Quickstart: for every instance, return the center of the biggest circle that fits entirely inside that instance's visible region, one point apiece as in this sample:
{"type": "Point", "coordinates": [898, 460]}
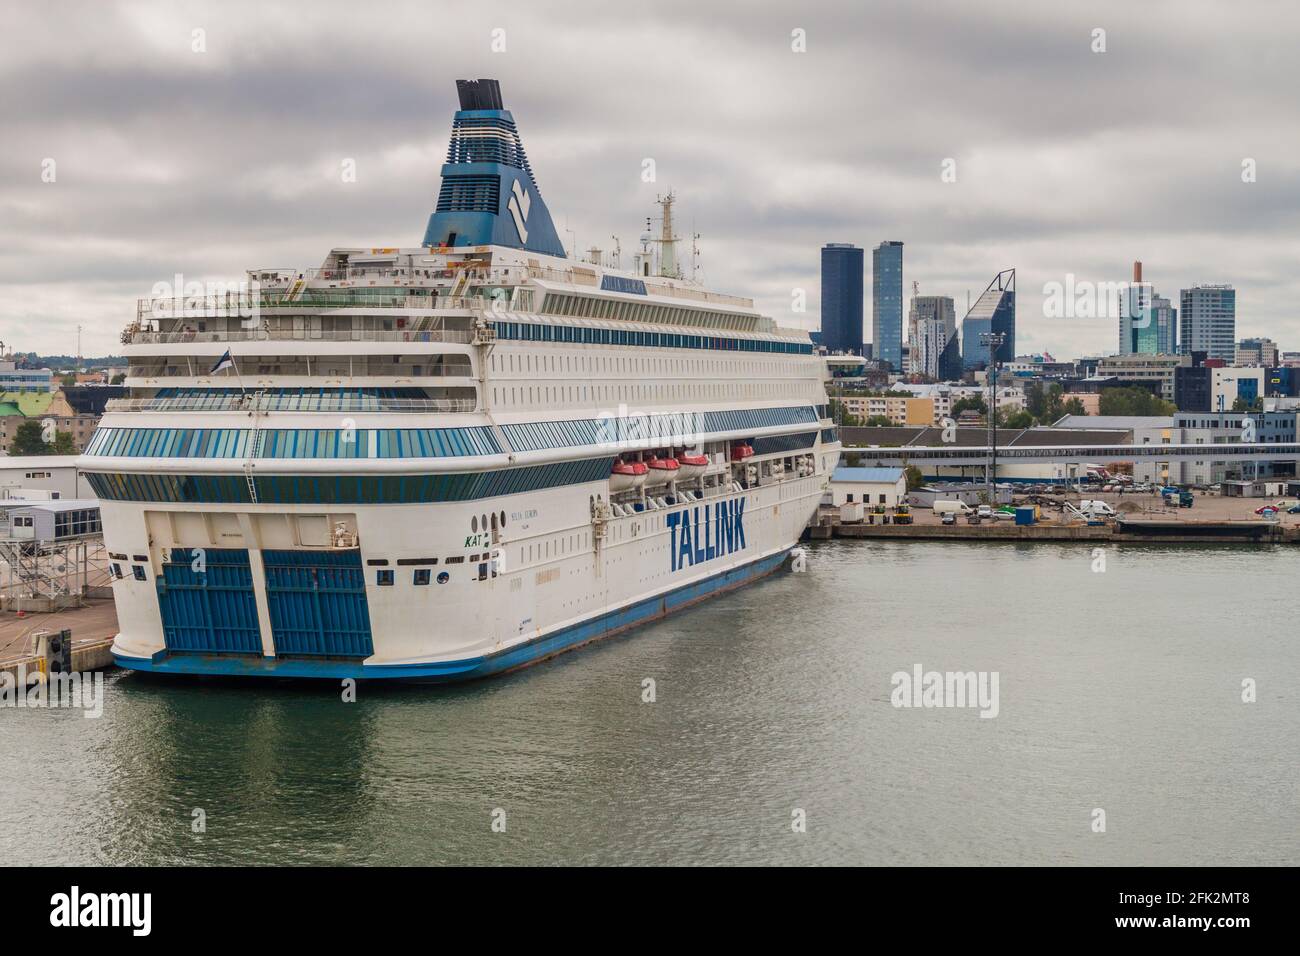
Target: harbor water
{"type": "Point", "coordinates": [771, 737]}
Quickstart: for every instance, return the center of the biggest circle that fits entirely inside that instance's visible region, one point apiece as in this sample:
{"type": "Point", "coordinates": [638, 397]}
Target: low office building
{"type": "Point", "coordinates": [898, 409]}
{"type": "Point", "coordinates": [1155, 372]}
{"type": "Point", "coordinates": [868, 486]}
{"type": "Point", "coordinates": [54, 476]}
{"type": "Point", "coordinates": [1257, 352]}
{"type": "Point", "coordinates": [1230, 385]}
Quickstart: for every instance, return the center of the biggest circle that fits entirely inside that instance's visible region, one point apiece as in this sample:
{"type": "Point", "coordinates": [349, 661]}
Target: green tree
{"type": "Point", "coordinates": [28, 440]}
{"type": "Point", "coordinates": [1018, 419]}
{"type": "Point", "coordinates": [1035, 399]}
{"type": "Point", "coordinates": [118, 379]}
{"type": "Point", "coordinates": [881, 421]}
{"type": "Point", "coordinates": [1053, 404]}
{"type": "Point", "coordinates": [1133, 400]}
{"type": "Point", "coordinates": [1075, 407]}
{"type": "Point", "coordinates": [914, 478]}
{"type": "Point", "coordinates": [970, 403]}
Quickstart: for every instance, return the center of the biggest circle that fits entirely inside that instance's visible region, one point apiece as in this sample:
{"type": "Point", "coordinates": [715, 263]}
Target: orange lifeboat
{"type": "Point", "coordinates": [741, 452]}
{"type": "Point", "coordinates": [661, 471]}
{"type": "Point", "coordinates": [627, 476]}
{"type": "Point", "coordinates": [691, 466]}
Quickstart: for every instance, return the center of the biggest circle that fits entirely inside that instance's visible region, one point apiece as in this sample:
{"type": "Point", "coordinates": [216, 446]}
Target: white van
{"type": "Point", "coordinates": [1098, 509]}
{"type": "Point", "coordinates": [951, 508]}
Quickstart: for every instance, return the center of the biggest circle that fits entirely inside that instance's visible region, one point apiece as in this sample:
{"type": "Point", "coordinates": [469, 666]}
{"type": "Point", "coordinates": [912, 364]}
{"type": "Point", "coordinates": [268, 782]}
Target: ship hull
{"type": "Point", "coordinates": [553, 585]}
{"type": "Point", "coordinates": [516, 658]}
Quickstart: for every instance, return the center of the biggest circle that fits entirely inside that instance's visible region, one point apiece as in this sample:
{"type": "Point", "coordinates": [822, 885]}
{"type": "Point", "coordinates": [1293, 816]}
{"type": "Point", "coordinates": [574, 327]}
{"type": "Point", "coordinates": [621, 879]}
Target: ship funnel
{"type": "Point", "coordinates": [488, 194]}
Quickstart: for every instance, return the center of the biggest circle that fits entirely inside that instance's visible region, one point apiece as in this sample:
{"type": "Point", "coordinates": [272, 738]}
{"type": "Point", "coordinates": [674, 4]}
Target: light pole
{"type": "Point", "coordinates": [993, 341]}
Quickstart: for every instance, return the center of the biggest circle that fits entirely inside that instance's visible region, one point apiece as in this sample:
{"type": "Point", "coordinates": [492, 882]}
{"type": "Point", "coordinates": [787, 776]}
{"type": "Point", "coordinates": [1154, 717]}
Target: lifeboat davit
{"type": "Point", "coordinates": [660, 471]}
{"type": "Point", "coordinates": [627, 476]}
{"type": "Point", "coordinates": [741, 452]}
{"type": "Point", "coordinates": [691, 466]}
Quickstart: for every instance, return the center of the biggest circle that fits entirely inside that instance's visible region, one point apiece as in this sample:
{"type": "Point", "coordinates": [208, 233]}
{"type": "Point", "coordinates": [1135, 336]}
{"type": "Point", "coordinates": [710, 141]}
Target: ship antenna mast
{"type": "Point", "coordinates": [667, 241]}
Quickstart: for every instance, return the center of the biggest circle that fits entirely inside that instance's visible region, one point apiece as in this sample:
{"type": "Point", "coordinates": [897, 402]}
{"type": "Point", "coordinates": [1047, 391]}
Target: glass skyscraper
{"type": "Point", "coordinates": [842, 264]}
{"type": "Point", "coordinates": [887, 303]}
{"type": "Point", "coordinates": [1208, 322]}
{"type": "Point", "coordinates": [993, 311]}
{"type": "Point", "coordinates": [935, 352]}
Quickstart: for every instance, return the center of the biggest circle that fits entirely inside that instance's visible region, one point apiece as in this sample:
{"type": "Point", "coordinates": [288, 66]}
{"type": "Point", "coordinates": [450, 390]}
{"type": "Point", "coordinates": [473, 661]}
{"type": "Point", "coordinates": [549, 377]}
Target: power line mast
{"type": "Point", "coordinates": [993, 341]}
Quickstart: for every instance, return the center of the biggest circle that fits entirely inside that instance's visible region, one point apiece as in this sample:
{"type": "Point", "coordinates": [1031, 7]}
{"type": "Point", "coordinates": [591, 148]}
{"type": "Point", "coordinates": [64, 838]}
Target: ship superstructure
{"type": "Point", "coordinates": [450, 460]}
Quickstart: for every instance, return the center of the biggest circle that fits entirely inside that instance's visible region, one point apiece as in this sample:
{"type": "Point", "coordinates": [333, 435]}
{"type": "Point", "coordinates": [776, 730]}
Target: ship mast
{"type": "Point", "coordinates": [667, 241]}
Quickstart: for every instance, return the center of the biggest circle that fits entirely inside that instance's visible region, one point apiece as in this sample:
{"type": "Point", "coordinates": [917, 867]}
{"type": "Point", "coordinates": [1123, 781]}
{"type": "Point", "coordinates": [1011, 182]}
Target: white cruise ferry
{"type": "Point", "coordinates": [448, 461]}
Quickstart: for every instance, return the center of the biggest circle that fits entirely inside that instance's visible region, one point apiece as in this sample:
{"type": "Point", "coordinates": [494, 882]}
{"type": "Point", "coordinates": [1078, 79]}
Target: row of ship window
{"type": "Point", "coordinates": [430, 442]}
{"type": "Point", "coordinates": [346, 489]}
{"type": "Point", "coordinates": [384, 577]}
{"type": "Point", "coordinates": [318, 399]}
{"type": "Point", "coordinates": [536, 436]}
{"type": "Point", "coordinates": [530, 332]}
{"type": "Point", "coordinates": [293, 442]}
{"type": "Point", "coordinates": [379, 489]}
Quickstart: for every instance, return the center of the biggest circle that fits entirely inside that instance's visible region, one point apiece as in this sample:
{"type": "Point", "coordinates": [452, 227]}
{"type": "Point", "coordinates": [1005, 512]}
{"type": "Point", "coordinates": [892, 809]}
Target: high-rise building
{"type": "Point", "coordinates": [993, 311]}
{"type": "Point", "coordinates": [1257, 352]}
{"type": "Point", "coordinates": [842, 266]}
{"type": "Point", "coordinates": [1136, 333]}
{"type": "Point", "coordinates": [1147, 322]}
{"type": "Point", "coordinates": [1208, 321]}
{"type": "Point", "coordinates": [887, 303]}
{"type": "Point", "coordinates": [935, 352]}
{"type": "Point", "coordinates": [1165, 318]}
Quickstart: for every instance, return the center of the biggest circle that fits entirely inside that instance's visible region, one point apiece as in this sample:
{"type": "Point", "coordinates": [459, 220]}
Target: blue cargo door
{"type": "Point", "coordinates": [317, 601]}
{"type": "Point", "coordinates": [208, 605]}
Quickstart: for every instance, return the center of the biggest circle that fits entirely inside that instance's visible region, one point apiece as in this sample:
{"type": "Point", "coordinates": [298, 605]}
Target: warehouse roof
{"type": "Point", "coordinates": [886, 476]}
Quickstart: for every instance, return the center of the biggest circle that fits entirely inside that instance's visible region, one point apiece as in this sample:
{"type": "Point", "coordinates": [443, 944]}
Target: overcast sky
{"type": "Point", "coordinates": [1067, 160]}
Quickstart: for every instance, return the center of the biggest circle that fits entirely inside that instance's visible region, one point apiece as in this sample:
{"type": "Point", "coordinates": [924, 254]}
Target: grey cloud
{"type": "Point", "coordinates": [1068, 161]}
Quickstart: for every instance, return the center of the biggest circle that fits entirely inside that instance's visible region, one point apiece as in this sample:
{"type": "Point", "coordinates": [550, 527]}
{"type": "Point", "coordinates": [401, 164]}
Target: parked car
{"type": "Point", "coordinates": [1293, 510]}
{"type": "Point", "coordinates": [1266, 510]}
{"type": "Point", "coordinates": [949, 517]}
{"type": "Point", "coordinates": [984, 511]}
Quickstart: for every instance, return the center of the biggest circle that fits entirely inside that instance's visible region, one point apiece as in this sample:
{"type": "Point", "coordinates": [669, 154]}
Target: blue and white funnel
{"type": "Point", "coordinates": [488, 195]}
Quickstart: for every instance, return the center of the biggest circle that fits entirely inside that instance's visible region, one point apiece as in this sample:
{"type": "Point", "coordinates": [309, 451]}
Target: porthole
{"type": "Point", "coordinates": [473, 523]}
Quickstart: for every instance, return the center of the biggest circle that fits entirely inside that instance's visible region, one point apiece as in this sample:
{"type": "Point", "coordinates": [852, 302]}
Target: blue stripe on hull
{"type": "Point", "coordinates": [513, 658]}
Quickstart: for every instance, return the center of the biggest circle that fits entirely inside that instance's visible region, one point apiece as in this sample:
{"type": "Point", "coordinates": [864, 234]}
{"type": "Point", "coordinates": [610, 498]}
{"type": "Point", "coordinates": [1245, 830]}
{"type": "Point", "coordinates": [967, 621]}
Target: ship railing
{"type": "Point", "coordinates": [139, 336]}
{"type": "Point", "coordinates": [250, 308]}
{"type": "Point", "coordinates": [503, 274]}
{"type": "Point", "coordinates": [256, 401]}
{"type": "Point", "coordinates": [588, 276]}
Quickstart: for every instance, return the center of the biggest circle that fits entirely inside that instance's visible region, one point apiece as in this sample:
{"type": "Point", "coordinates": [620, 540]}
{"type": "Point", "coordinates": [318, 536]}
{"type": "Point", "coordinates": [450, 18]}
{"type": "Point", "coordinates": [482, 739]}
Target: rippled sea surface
{"type": "Point", "coordinates": [1119, 690]}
